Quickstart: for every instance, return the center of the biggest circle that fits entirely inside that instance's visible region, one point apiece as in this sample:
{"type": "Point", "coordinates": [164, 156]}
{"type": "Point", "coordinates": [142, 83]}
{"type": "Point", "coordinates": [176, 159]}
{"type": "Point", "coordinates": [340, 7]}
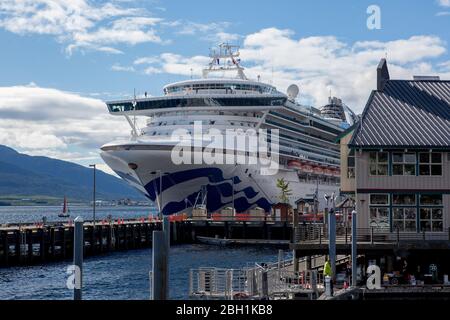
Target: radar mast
{"type": "Point", "coordinates": [225, 58]}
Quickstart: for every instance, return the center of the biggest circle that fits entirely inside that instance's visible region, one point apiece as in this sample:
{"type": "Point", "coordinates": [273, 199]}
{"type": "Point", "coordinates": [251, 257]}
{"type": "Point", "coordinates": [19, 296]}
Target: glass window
{"type": "Point", "coordinates": [404, 219]}
{"type": "Point", "coordinates": [404, 199]}
{"type": "Point", "coordinates": [430, 164]}
{"type": "Point", "coordinates": [379, 199]}
{"type": "Point", "coordinates": [378, 163]}
{"type": "Point", "coordinates": [403, 164]}
{"type": "Point", "coordinates": [431, 220]}
{"type": "Point", "coordinates": [431, 199]}
{"type": "Point", "coordinates": [351, 164]}
{"type": "Point", "coordinates": [379, 217]}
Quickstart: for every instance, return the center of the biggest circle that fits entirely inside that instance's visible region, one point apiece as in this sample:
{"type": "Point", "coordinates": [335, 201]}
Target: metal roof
{"type": "Point", "coordinates": [406, 114]}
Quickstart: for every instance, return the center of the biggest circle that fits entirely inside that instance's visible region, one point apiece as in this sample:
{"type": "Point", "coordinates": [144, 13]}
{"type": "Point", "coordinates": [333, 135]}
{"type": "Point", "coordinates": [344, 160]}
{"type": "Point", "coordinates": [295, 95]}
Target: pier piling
{"type": "Point", "coordinates": [78, 257]}
{"type": "Point", "coordinates": [160, 275]}
{"type": "Point", "coordinates": [354, 249]}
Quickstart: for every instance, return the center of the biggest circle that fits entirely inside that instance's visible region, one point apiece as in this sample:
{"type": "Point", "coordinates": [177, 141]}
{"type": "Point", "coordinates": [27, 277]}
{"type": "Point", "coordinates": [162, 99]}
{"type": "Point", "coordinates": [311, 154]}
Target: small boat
{"type": "Point", "coordinates": [65, 212]}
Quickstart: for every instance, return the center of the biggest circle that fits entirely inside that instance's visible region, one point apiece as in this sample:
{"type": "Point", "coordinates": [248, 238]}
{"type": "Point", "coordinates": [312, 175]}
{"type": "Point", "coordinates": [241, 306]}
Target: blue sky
{"type": "Point", "coordinates": [65, 57]}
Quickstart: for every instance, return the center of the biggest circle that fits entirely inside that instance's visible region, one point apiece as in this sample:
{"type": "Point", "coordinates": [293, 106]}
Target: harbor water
{"type": "Point", "coordinates": [31, 214]}
{"type": "Point", "coordinates": [119, 275]}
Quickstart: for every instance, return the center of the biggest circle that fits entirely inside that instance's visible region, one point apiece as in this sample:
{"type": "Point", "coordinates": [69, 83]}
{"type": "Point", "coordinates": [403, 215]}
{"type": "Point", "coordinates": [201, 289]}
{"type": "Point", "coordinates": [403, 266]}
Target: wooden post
{"type": "Point", "coordinates": [5, 247]}
{"type": "Point", "coordinates": [139, 235]}
{"type": "Point", "coordinates": [244, 230]}
{"type": "Point", "coordinates": [18, 247]}
{"type": "Point", "coordinates": [133, 236]}
{"type": "Point", "coordinates": [52, 242]}
{"type": "Point", "coordinates": [92, 240]}
{"type": "Point", "coordinates": [116, 237]}
{"type": "Point", "coordinates": [78, 254]}
{"type": "Point", "coordinates": [174, 231]}
{"type": "Point", "coordinates": [354, 248]}
{"type": "Point", "coordinates": [109, 230]}
{"type": "Point", "coordinates": [147, 234]}
{"type": "Point", "coordinates": [42, 253]}
{"type": "Point", "coordinates": [30, 245]}
{"type": "Point", "coordinates": [226, 231]}
{"type": "Point", "coordinates": [125, 236]}
{"type": "Point", "coordinates": [70, 238]}
{"type": "Point", "coordinates": [160, 272]}
{"type": "Point", "coordinates": [62, 232]}
{"type": "Point", "coordinates": [100, 238]}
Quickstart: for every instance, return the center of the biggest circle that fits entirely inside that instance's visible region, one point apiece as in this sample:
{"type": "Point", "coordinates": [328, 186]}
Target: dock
{"type": "Point", "coordinates": [28, 244]}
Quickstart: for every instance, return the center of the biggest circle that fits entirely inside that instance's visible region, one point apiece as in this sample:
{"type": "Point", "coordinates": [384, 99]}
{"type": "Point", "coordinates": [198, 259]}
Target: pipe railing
{"type": "Point", "coordinates": [318, 233]}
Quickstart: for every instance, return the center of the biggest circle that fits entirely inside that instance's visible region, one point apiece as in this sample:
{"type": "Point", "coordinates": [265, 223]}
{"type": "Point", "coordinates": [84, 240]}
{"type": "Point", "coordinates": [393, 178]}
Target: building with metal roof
{"type": "Point", "coordinates": [395, 162]}
{"type": "Point", "coordinates": [406, 113]}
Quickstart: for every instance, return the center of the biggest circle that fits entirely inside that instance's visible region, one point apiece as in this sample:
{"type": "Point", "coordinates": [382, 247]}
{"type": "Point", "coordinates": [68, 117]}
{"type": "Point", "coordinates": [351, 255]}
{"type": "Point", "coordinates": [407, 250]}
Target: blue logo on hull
{"type": "Point", "coordinates": [215, 192]}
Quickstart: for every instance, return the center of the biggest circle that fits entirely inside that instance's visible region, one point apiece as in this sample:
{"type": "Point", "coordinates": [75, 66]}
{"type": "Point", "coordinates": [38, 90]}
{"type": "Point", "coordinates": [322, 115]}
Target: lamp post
{"type": "Point", "coordinates": [94, 166]}
{"type": "Point", "coordinates": [160, 195]}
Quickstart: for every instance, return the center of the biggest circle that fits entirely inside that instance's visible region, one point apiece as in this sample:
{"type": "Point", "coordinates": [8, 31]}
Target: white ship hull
{"type": "Point", "coordinates": [181, 184]}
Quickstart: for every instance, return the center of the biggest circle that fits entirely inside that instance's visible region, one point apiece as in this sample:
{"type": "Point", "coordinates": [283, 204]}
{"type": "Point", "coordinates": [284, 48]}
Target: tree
{"type": "Point", "coordinates": [285, 192]}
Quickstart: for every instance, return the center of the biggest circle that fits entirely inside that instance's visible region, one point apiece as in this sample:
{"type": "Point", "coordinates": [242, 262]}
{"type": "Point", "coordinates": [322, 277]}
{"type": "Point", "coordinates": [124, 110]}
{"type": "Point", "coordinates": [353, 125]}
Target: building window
{"type": "Point", "coordinates": [430, 164]}
{"type": "Point", "coordinates": [404, 219]}
{"type": "Point", "coordinates": [431, 199]}
{"type": "Point", "coordinates": [379, 210]}
{"type": "Point", "coordinates": [351, 164]}
{"type": "Point", "coordinates": [378, 163]}
{"type": "Point", "coordinates": [404, 199]}
{"type": "Point", "coordinates": [431, 219]}
{"type": "Point", "coordinates": [379, 199]}
{"type": "Point", "coordinates": [403, 164]}
{"type": "Point", "coordinates": [379, 217]}
{"type": "Point", "coordinates": [431, 215]}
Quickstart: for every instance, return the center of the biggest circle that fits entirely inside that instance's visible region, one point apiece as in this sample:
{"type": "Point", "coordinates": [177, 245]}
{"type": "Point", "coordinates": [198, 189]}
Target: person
{"type": "Point", "coordinates": [348, 271]}
{"type": "Point", "coordinates": [327, 273]}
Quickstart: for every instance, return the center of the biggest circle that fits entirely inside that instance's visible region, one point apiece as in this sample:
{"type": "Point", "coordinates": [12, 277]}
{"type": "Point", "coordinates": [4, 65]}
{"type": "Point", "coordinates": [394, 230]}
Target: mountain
{"type": "Point", "coordinates": [25, 175]}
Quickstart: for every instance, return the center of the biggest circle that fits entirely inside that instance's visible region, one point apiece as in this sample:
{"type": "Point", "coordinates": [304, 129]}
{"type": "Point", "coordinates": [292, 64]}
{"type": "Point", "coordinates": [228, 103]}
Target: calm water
{"type": "Point", "coordinates": [123, 275]}
{"type": "Point", "coordinates": [120, 275]}
{"type": "Point", "coordinates": [35, 213]}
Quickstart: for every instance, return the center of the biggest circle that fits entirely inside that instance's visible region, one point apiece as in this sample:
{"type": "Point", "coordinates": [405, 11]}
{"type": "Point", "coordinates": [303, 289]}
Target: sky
{"type": "Point", "coordinates": [60, 60]}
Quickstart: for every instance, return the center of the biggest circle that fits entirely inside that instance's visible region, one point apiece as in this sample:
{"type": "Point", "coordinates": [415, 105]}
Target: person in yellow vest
{"type": "Point", "coordinates": [327, 272]}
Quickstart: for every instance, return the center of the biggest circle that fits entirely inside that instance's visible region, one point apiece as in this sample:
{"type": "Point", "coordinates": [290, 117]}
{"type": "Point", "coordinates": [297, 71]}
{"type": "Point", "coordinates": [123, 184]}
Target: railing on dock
{"type": "Point", "coordinates": [258, 282]}
{"type": "Point", "coordinates": [317, 233]}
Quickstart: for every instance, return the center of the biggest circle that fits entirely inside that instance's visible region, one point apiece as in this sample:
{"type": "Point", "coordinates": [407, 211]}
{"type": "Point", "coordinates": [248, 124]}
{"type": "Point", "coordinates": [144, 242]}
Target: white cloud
{"type": "Point", "coordinates": [96, 26]}
{"type": "Point", "coordinates": [80, 24]}
{"type": "Point", "coordinates": [173, 64]}
{"type": "Point", "coordinates": [444, 3]}
{"type": "Point", "coordinates": [319, 64]}
{"type": "Point", "coordinates": [193, 28]}
{"type": "Point", "coordinates": [44, 121]}
{"type": "Point", "coordinates": [130, 30]}
{"type": "Point", "coordinates": [443, 13]}
{"type": "Point", "coordinates": [118, 67]}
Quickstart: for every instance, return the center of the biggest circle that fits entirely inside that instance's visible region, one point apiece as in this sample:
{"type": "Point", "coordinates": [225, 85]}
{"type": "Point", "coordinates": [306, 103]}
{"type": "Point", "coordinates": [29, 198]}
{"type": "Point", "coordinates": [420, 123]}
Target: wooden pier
{"type": "Point", "coordinates": [38, 244]}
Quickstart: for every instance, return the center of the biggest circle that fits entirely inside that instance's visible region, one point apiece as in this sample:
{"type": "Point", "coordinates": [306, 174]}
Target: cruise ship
{"type": "Point", "coordinates": [225, 99]}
